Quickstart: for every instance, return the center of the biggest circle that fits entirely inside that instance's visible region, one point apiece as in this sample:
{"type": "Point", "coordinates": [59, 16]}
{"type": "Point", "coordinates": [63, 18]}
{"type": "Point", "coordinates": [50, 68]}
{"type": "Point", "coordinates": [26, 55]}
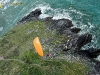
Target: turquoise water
{"type": "Point", "coordinates": [84, 14]}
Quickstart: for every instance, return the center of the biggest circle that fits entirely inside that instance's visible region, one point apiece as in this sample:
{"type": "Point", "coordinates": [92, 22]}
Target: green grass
{"type": "Point", "coordinates": [20, 57]}
{"type": "Point", "coordinates": [35, 65]}
{"type": "Point", "coordinates": [20, 38]}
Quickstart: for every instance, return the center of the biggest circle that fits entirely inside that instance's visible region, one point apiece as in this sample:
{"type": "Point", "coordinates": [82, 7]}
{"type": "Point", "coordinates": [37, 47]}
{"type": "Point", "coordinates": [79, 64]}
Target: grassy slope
{"type": "Point", "coordinates": [20, 57]}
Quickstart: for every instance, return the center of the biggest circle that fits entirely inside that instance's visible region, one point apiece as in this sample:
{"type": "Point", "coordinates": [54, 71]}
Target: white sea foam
{"type": "Point", "coordinates": [4, 1]}
{"type": "Point", "coordinates": [5, 4]}
{"type": "Point", "coordinates": [44, 7]}
{"type": "Point", "coordinates": [59, 13]}
{"type": "Point", "coordinates": [98, 58]}
{"type": "Point", "coordinates": [76, 11]}
{"type": "Point", "coordinates": [1, 28]}
{"type": "Point", "coordinates": [55, 13]}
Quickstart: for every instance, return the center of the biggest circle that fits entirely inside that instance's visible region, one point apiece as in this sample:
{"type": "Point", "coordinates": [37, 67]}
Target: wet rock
{"type": "Point", "coordinates": [48, 19]}
{"type": "Point", "coordinates": [83, 40]}
{"type": "Point", "coordinates": [95, 68]}
{"type": "Point", "coordinates": [75, 30]}
{"type": "Point", "coordinates": [93, 52]}
{"type": "Point", "coordinates": [64, 23]}
{"type": "Point", "coordinates": [35, 13]}
{"type": "Point", "coordinates": [60, 22]}
{"type": "Point", "coordinates": [75, 42]}
{"type": "Point", "coordinates": [59, 25]}
{"type": "Point", "coordinates": [85, 53]}
{"type": "Point", "coordinates": [31, 16]}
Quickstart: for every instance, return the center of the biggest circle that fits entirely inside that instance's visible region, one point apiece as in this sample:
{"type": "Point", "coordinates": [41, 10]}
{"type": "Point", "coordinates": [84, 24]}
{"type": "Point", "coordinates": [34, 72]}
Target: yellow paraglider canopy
{"type": "Point", "coordinates": [38, 46]}
{"type": "Point", "coordinates": [0, 5]}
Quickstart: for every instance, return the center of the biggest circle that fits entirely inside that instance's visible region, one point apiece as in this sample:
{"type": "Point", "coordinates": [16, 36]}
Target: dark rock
{"type": "Point", "coordinates": [35, 13]}
{"type": "Point", "coordinates": [75, 42]}
{"type": "Point", "coordinates": [48, 19]}
{"type": "Point", "coordinates": [85, 53]}
{"type": "Point", "coordinates": [95, 68]}
{"type": "Point", "coordinates": [83, 40]}
{"type": "Point", "coordinates": [31, 16]}
{"type": "Point", "coordinates": [60, 22]}
{"type": "Point", "coordinates": [60, 25]}
{"type": "Point", "coordinates": [75, 30]}
{"type": "Point", "coordinates": [93, 52]}
{"type": "Point", "coordinates": [65, 23]}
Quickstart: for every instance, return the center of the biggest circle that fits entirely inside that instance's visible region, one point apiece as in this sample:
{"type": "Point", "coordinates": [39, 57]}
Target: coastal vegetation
{"type": "Point", "coordinates": [20, 58]}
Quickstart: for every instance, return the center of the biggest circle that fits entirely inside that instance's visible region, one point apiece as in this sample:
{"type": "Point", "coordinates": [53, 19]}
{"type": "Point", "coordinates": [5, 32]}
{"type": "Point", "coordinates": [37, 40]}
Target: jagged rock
{"type": "Point", "coordinates": [83, 40]}
{"type": "Point", "coordinates": [93, 53]}
{"type": "Point", "coordinates": [60, 25]}
{"type": "Point", "coordinates": [75, 30]}
{"type": "Point", "coordinates": [75, 42]}
{"type": "Point", "coordinates": [86, 53]}
{"type": "Point", "coordinates": [65, 23]}
{"type": "Point", "coordinates": [31, 16]}
{"type": "Point", "coordinates": [95, 68]}
{"type": "Point", "coordinates": [48, 19]}
{"type": "Point", "coordinates": [90, 53]}
{"type": "Point", "coordinates": [60, 22]}
{"type": "Point", "coordinates": [36, 13]}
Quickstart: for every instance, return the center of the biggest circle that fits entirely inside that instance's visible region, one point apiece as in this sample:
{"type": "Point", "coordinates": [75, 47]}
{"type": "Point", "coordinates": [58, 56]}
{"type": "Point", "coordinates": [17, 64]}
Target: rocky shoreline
{"type": "Point", "coordinates": [75, 41]}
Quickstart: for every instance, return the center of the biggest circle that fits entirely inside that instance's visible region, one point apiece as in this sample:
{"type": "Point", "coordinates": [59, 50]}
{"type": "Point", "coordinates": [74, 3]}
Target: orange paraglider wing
{"type": "Point", "coordinates": [38, 46]}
